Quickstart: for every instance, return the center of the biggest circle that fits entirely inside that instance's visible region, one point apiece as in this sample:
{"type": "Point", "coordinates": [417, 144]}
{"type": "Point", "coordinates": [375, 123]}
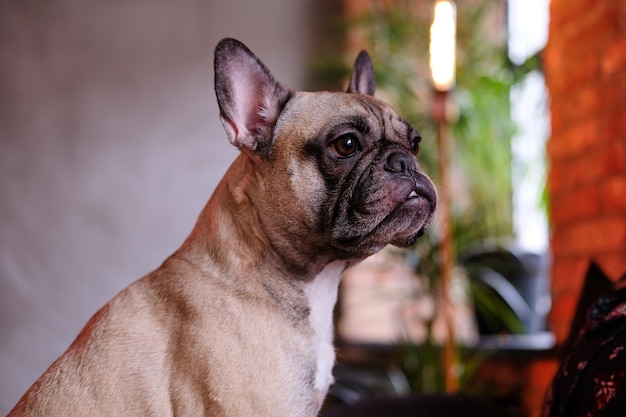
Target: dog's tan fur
{"type": "Point", "coordinates": [238, 322]}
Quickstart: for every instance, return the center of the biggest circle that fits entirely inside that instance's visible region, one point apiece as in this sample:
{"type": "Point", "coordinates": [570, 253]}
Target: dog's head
{"type": "Point", "coordinates": [333, 172]}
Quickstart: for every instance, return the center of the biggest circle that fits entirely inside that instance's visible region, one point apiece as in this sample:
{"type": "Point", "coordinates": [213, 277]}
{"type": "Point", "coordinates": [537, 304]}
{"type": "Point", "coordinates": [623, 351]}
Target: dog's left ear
{"type": "Point", "coordinates": [249, 97]}
{"type": "Point", "coordinates": [362, 80]}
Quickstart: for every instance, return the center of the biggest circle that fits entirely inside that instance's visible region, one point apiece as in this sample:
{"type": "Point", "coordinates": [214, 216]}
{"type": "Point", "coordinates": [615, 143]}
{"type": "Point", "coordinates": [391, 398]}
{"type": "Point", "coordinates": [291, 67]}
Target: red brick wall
{"type": "Point", "coordinates": [585, 66]}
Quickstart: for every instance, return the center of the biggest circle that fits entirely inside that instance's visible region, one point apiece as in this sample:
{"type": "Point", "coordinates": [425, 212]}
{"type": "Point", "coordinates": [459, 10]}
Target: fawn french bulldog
{"type": "Point", "coordinates": [238, 321]}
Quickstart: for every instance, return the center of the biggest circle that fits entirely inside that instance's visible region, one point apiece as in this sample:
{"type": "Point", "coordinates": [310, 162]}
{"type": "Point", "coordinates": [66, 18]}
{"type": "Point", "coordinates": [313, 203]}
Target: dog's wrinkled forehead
{"type": "Point", "coordinates": [325, 112]}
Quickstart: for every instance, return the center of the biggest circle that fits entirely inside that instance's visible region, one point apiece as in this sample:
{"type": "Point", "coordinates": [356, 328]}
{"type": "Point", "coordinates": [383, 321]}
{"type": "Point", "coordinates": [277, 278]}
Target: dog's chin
{"type": "Point", "coordinates": [409, 241]}
{"type": "Point", "coordinates": [407, 238]}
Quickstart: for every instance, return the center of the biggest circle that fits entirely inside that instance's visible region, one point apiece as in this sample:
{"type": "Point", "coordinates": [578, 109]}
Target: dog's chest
{"type": "Point", "coordinates": [321, 294]}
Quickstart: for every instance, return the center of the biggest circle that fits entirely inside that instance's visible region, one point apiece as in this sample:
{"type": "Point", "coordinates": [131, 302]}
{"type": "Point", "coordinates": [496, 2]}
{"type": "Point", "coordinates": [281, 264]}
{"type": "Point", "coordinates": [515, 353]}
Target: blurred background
{"type": "Point", "coordinates": [110, 145]}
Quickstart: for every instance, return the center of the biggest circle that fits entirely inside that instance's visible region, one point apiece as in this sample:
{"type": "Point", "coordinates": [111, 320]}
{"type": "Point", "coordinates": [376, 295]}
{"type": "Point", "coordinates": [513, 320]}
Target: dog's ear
{"type": "Point", "coordinates": [249, 97]}
{"type": "Point", "coordinates": [362, 80]}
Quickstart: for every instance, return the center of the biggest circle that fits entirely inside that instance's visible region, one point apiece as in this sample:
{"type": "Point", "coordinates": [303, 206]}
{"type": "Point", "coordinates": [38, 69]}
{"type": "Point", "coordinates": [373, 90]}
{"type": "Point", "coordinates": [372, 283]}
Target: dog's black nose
{"type": "Point", "coordinates": [400, 162]}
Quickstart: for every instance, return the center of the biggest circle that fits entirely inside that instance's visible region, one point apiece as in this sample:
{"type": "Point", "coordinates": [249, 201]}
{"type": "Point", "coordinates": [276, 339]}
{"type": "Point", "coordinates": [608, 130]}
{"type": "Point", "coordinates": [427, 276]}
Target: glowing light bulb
{"type": "Point", "coordinates": [443, 45]}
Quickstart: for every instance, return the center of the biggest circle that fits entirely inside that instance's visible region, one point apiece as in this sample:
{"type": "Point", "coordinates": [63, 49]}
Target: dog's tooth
{"type": "Point", "coordinates": [413, 194]}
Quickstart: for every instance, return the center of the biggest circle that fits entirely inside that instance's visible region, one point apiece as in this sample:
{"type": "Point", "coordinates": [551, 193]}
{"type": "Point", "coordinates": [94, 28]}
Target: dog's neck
{"type": "Point", "coordinates": [310, 296]}
{"type": "Point", "coordinates": [231, 217]}
{"type": "Point", "coordinates": [228, 236]}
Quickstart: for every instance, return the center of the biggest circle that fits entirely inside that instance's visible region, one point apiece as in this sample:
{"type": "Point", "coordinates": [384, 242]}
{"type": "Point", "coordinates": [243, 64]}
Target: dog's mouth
{"type": "Point", "coordinates": [387, 212]}
{"type": "Point", "coordinates": [422, 192]}
{"type": "Point", "coordinates": [419, 207]}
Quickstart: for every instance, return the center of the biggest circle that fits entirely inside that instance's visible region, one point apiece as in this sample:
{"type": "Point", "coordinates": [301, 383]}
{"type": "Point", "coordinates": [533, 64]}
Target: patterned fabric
{"type": "Point", "coordinates": [592, 379]}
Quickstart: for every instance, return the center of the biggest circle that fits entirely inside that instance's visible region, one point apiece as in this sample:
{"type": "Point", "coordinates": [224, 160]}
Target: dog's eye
{"type": "Point", "coordinates": [345, 146]}
{"type": "Point", "coordinates": [415, 140]}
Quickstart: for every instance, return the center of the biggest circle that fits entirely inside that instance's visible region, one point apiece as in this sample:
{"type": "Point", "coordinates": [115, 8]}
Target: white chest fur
{"type": "Point", "coordinates": [322, 296]}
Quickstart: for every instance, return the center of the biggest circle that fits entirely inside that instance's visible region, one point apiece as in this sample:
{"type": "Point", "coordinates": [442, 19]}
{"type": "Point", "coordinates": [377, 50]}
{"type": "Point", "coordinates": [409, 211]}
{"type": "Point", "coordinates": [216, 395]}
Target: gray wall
{"type": "Point", "coordinates": [110, 145]}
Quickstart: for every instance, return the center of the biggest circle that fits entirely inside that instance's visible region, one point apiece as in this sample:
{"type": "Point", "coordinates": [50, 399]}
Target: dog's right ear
{"type": "Point", "coordinates": [249, 97]}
